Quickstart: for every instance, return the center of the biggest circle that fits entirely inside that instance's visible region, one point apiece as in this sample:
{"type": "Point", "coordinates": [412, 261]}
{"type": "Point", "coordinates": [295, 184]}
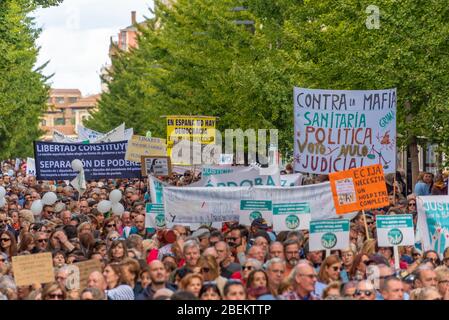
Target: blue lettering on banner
{"type": "Point", "coordinates": [100, 161]}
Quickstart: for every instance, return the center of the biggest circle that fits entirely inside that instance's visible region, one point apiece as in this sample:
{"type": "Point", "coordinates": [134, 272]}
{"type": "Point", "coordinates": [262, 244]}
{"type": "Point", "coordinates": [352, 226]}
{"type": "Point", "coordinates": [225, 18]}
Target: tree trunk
{"type": "Point", "coordinates": [413, 146]}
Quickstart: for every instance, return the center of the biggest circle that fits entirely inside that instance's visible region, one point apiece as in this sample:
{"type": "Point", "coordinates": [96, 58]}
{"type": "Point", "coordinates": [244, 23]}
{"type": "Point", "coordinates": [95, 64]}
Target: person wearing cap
{"type": "Point", "coordinates": [260, 224]}
{"type": "Point", "coordinates": [202, 235]}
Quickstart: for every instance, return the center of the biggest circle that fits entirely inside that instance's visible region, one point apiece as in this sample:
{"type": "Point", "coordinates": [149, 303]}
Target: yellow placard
{"type": "Point", "coordinates": [139, 146]}
{"type": "Point", "coordinates": [199, 129]}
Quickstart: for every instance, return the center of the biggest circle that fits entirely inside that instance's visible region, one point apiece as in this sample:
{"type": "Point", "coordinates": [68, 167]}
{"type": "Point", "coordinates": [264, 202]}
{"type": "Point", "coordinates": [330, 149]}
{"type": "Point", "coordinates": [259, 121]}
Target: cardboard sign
{"type": "Point", "coordinates": [156, 166]}
{"type": "Point", "coordinates": [329, 235]}
{"type": "Point", "coordinates": [359, 189]}
{"type": "Point", "coordinates": [139, 146]}
{"type": "Point", "coordinates": [291, 216]}
{"type": "Point", "coordinates": [395, 230]}
{"type": "Point", "coordinates": [85, 268]}
{"type": "Point", "coordinates": [254, 209]}
{"type": "Point", "coordinates": [33, 268]}
{"type": "Point", "coordinates": [155, 216]}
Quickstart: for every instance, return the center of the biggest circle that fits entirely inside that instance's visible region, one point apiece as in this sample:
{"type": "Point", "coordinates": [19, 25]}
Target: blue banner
{"type": "Point", "coordinates": [100, 160]}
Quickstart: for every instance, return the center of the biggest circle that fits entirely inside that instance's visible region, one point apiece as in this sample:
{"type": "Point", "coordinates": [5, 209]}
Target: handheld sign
{"type": "Point", "coordinates": [140, 146]}
{"type": "Point", "coordinates": [156, 166]}
{"type": "Point", "coordinates": [329, 235]}
{"type": "Point", "coordinates": [291, 216]}
{"type": "Point", "coordinates": [251, 210]}
{"type": "Point", "coordinates": [395, 230]}
{"type": "Point", "coordinates": [33, 268]}
{"type": "Point", "coordinates": [359, 189]}
{"type": "Point", "coordinates": [155, 216]}
{"type": "Point", "coordinates": [433, 222]}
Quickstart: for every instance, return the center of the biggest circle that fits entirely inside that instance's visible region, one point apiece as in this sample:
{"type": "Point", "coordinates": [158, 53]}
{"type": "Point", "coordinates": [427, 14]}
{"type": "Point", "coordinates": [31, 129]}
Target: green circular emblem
{"type": "Point", "coordinates": [395, 236]}
{"type": "Point", "coordinates": [292, 221]}
{"type": "Point", "coordinates": [255, 215]}
{"type": "Point", "coordinates": [160, 220]}
{"type": "Point", "coordinates": [328, 240]}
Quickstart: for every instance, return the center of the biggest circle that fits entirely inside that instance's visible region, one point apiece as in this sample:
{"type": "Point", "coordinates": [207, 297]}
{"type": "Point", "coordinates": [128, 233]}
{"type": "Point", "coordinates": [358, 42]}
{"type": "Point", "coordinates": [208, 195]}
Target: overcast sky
{"type": "Point", "coordinates": [75, 38]}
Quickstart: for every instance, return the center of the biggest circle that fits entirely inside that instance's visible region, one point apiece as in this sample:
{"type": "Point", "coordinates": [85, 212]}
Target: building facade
{"type": "Point", "coordinates": [66, 110]}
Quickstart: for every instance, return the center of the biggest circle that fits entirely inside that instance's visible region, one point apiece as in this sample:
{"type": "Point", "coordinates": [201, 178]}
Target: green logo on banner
{"type": "Point", "coordinates": [255, 215]}
{"type": "Point", "coordinates": [395, 236]}
{"type": "Point", "coordinates": [292, 221]}
{"type": "Point", "coordinates": [329, 240]}
{"type": "Point", "coordinates": [160, 220]}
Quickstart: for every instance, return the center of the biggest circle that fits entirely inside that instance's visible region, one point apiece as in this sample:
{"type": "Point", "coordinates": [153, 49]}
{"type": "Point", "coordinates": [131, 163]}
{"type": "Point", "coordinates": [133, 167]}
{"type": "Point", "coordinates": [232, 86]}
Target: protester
{"type": "Point", "coordinates": [231, 261]}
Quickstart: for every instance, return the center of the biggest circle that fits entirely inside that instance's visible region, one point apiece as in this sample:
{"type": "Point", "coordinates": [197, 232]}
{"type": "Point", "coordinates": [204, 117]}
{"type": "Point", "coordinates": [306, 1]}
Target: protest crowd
{"type": "Point", "coordinates": [234, 262]}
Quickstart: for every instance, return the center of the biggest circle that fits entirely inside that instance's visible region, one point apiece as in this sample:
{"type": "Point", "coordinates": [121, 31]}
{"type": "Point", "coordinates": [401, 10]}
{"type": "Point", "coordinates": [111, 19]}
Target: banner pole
{"type": "Point", "coordinates": [396, 257]}
{"type": "Point", "coordinates": [328, 252]}
{"type": "Point", "coordinates": [366, 225]}
{"type": "Point", "coordinates": [394, 190]}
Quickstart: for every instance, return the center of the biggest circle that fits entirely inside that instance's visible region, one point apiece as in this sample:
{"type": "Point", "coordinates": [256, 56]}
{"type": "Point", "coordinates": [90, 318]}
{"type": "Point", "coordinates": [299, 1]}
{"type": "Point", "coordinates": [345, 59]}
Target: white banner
{"type": "Point", "coordinates": [115, 135]}
{"type": "Point", "coordinates": [291, 180]}
{"type": "Point", "coordinates": [156, 189]}
{"type": "Point", "coordinates": [62, 138]}
{"type": "Point", "coordinates": [338, 130]}
{"type": "Point", "coordinates": [128, 134]}
{"type": "Point", "coordinates": [218, 176]}
{"type": "Point", "coordinates": [433, 222]}
{"type": "Point", "coordinates": [215, 204]}
{"type": "Point", "coordinates": [86, 134]}
{"type": "Point", "coordinates": [31, 167]}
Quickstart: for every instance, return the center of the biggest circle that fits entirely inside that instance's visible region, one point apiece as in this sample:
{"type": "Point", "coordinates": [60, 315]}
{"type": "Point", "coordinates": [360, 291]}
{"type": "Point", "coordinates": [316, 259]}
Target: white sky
{"type": "Point", "coordinates": [75, 39]}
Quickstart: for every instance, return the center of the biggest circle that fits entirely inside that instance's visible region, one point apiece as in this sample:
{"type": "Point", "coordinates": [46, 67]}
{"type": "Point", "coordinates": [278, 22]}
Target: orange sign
{"type": "Point", "coordinates": [357, 189]}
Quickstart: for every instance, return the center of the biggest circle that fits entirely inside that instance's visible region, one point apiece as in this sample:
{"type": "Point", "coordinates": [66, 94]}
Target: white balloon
{"type": "Point", "coordinates": [117, 208]}
{"type": "Point", "coordinates": [36, 207]}
{"type": "Point", "coordinates": [49, 198]}
{"type": "Point", "coordinates": [104, 206]}
{"type": "Point", "coordinates": [2, 202]}
{"type": "Point", "coordinates": [115, 196]}
{"type": "Point", "coordinates": [2, 192]}
{"type": "Point", "coordinates": [77, 165]}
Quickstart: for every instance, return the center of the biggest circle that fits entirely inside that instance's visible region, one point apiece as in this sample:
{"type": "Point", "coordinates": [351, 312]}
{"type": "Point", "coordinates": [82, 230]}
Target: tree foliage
{"type": "Point", "coordinates": [23, 89]}
{"type": "Point", "coordinates": [201, 62]}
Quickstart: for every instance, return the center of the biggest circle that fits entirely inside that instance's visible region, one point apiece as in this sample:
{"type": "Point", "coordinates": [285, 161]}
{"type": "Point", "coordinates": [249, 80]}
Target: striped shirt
{"type": "Point", "coordinates": [122, 292]}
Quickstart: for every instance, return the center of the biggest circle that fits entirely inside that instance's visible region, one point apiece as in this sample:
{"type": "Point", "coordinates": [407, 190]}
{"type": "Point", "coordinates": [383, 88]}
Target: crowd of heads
{"type": "Point", "coordinates": [234, 262]}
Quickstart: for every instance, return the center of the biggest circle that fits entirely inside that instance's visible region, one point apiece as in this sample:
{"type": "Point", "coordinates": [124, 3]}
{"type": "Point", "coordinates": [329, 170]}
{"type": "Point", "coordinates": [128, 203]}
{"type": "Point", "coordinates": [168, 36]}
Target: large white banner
{"type": "Point", "coordinates": [215, 204]}
{"type": "Point", "coordinates": [62, 138]}
{"type": "Point", "coordinates": [433, 222]}
{"type": "Point", "coordinates": [117, 134]}
{"type": "Point", "coordinates": [218, 176]}
{"type": "Point", "coordinates": [86, 134]}
{"type": "Point", "coordinates": [338, 130]}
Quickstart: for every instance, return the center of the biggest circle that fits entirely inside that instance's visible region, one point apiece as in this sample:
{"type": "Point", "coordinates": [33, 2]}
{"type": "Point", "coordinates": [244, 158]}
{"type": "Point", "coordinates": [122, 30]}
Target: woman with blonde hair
{"type": "Point", "coordinates": [210, 270]}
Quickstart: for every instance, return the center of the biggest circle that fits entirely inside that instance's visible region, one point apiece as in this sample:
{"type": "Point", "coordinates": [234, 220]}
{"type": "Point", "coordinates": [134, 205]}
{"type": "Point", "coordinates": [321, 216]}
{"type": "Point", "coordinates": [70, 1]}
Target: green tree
{"type": "Point", "coordinates": [23, 89]}
{"type": "Point", "coordinates": [331, 45]}
{"type": "Point", "coordinates": [203, 61]}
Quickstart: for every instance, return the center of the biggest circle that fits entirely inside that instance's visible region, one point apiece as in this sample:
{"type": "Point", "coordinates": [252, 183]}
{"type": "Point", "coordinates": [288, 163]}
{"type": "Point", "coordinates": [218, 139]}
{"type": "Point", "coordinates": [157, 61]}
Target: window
{"type": "Point", "coordinates": [59, 122]}
{"type": "Point", "coordinates": [123, 40]}
{"type": "Point", "coordinates": [73, 99]}
{"type": "Point", "coordinates": [60, 99]}
{"type": "Point", "coordinates": [43, 122]}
